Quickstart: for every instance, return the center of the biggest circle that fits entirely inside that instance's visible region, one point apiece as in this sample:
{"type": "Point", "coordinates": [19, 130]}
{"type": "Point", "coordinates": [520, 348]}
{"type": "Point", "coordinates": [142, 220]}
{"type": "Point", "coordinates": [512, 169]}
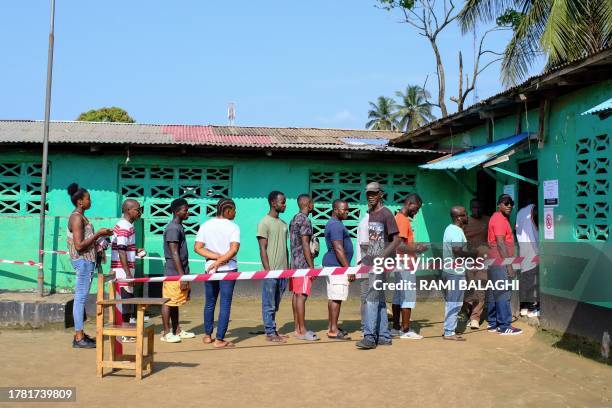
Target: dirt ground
{"type": "Point", "coordinates": [487, 370]}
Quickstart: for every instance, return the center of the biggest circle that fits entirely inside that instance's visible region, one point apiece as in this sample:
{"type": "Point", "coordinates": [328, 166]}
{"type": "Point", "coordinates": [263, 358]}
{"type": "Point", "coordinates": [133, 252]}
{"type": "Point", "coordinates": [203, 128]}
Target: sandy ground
{"type": "Point", "coordinates": [485, 371]}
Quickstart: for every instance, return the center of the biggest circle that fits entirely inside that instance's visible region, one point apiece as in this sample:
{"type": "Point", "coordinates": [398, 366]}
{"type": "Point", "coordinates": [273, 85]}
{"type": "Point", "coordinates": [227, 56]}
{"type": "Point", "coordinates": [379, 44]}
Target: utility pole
{"type": "Point", "coordinates": [43, 184]}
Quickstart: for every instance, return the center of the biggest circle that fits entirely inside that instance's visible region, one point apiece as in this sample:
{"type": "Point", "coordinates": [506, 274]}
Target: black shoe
{"type": "Point", "coordinates": [92, 339]}
{"type": "Point", "coordinates": [83, 343]}
{"type": "Point", "coordinates": [365, 344]}
{"type": "Point", "coordinates": [385, 343]}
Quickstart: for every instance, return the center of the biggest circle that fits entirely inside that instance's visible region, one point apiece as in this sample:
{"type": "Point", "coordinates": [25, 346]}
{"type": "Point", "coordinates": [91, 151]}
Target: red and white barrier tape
{"type": "Point", "coordinates": [25, 263]}
{"type": "Point", "coordinates": [286, 273]}
{"type": "Point", "coordinates": [272, 274]}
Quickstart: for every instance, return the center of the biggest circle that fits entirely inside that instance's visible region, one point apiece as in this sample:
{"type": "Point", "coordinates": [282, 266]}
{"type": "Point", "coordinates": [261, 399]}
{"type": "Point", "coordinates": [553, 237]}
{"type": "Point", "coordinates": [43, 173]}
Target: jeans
{"type": "Point", "coordinates": [271, 294]}
{"type": "Point", "coordinates": [84, 274]}
{"type": "Point", "coordinates": [211, 293]}
{"type": "Point", "coordinates": [499, 311]}
{"type": "Point", "coordinates": [454, 300]}
{"type": "Point", "coordinates": [375, 321]}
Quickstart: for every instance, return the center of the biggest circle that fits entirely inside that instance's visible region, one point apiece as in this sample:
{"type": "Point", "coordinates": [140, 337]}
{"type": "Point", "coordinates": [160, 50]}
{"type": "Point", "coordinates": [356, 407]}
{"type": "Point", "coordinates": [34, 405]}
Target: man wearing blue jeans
{"type": "Point", "coordinates": [383, 240]}
{"type": "Point", "coordinates": [455, 252]}
{"type": "Point", "coordinates": [501, 245]}
{"type": "Point", "coordinates": [272, 234]}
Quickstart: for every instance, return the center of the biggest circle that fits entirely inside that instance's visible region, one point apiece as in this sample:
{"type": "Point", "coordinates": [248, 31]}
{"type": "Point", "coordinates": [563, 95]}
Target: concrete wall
{"type": "Point", "coordinates": [575, 269]}
{"type": "Point", "coordinates": [252, 179]}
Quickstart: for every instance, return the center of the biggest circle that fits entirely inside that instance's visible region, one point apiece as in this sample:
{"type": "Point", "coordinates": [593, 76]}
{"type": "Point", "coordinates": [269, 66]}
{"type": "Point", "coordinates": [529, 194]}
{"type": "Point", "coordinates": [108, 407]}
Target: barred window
{"type": "Point", "coordinates": [155, 187]}
{"type": "Point", "coordinates": [20, 188]}
{"type": "Point", "coordinates": [592, 209]}
{"type": "Point", "coordinates": [327, 186]}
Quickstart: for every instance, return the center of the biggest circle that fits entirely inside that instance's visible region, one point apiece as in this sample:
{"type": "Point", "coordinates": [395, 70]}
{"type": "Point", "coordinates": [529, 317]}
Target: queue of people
{"type": "Point", "coordinates": [380, 234]}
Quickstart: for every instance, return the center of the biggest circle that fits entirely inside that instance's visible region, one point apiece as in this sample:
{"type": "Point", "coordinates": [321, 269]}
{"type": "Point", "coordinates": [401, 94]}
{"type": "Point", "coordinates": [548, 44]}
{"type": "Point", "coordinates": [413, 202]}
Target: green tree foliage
{"type": "Point", "coordinates": [112, 114]}
{"type": "Point", "coordinates": [562, 30]}
{"type": "Point", "coordinates": [383, 115]}
{"type": "Point", "coordinates": [414, 110]}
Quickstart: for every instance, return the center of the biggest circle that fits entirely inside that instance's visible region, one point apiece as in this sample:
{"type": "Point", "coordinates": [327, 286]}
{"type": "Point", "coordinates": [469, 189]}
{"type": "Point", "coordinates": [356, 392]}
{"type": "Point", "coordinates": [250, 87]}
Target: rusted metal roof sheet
{"type": "Point", "coordinates": [202, 135]}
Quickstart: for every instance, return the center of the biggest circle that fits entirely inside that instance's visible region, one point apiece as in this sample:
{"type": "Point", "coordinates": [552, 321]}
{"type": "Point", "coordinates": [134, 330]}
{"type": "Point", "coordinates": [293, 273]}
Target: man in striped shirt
{"type": "Point", "coordinates": [123, 255]}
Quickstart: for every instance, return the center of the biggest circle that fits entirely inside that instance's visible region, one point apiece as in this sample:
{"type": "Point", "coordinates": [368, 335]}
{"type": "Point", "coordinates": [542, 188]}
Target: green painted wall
{"type": "Point", "coordinates": [251, 180]}
{"type": "Point", "coordinates": [575, 264]}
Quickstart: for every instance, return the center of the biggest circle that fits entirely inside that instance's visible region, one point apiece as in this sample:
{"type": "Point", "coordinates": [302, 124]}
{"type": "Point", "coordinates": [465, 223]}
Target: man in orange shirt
{"type": "Point", "coordinates": [404, 300]}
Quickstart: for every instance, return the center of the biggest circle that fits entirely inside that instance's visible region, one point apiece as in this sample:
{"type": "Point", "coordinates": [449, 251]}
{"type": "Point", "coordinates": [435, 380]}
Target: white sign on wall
{"type": "Point", "coordinates": [549, 223]}
{"type": "Point", "coordinates": [551, 193]}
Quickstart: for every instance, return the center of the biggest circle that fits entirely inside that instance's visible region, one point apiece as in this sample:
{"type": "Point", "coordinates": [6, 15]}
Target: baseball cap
{"type": "Point", "coordinates": [373, 187]}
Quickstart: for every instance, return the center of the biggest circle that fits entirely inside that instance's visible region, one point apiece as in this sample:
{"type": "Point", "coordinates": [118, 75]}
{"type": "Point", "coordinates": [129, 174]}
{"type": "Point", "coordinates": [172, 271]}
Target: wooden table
{"type": "Point", "coordinates": [137, 361]}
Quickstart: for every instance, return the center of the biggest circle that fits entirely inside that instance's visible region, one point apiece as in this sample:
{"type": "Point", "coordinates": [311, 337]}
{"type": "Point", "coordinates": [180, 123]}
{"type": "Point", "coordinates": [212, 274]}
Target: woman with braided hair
{"type": "Point", "coordinates": [218, 241]}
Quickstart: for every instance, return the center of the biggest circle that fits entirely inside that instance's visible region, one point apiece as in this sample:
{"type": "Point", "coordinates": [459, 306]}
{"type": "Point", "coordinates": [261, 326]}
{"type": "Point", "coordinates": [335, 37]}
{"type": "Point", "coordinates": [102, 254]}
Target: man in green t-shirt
{"type": "Point", "coordinates": [272, 237]}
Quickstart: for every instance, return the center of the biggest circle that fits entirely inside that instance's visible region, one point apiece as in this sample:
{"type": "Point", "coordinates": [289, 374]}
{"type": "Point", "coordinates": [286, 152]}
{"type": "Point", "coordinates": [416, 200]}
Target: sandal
{"type": "Point", "coordinates": [283, 336]}
{"type": "Point", "coordinates": [308, 336]}
{"type": "Point", "coordinates": [207, 339]}
{"type": "Point", "coordinates": [225, 344]}
{"type": "Point", "coordinates": [454, 337]}
{"type": "Point", "coordinates": [275, 338]}
{"type": "Point", "coordinates": [339, 336]}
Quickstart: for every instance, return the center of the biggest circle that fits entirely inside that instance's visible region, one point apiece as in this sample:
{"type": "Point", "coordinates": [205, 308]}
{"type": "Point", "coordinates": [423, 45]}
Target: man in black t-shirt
{"type": "Point", "coordinates": [384, 239]}
{"type": "Point", "coordinates": [177, 264]}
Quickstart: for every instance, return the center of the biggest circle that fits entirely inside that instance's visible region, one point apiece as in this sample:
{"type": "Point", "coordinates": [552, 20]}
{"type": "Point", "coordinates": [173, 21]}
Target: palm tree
{"type": "Point", "coordinates": [562, 30]}
{"type": "Point", "coordinates": [414, 110]}
{"type": "Point", "coordinates": [383, 115]}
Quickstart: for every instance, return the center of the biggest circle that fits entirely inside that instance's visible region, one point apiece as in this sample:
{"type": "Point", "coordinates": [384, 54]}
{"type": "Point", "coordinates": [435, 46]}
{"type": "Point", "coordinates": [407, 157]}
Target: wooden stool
{"type": "Point", "coordinates": [137, 361]}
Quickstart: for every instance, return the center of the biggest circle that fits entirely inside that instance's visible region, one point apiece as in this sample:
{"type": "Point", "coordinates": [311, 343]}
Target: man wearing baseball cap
{"type": "Point", "coordinates": [383, 240]}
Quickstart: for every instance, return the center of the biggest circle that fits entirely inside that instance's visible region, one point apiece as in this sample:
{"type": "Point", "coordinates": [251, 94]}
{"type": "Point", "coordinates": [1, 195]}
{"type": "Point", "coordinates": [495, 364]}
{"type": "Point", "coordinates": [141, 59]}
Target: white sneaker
{"type": "Point", "coordinates": [128, 339]}
{"type": "Point", "coordinates": [133, 319]}
{"type": "Point", "coordinates": [410, 335]}
{"type": "Point", "coordinates": [170, 338]}
{"type": "Point", "coordinates": [474, 324]}
{"type": "Point", "coordinates": [186, 335]}
{"type": "Point", "coordinates": [533, 313]}
{"type": "Point", "coordinates": [524, 311]}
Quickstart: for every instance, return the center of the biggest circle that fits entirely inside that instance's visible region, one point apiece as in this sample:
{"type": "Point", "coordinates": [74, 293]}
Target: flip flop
{"type": "Point", "coordinates": [340, 336]}
{"type": "Point", "coordinates": [226, 344]}
{"type": "Point", "coordinates": [284, 336]}
{"type": "Point", "coordinates": [454, 337]}
{"type": "Point", "coordinates": [343, 331]}
{"type": "Point", "coordinates": [275, 339]}
{"type": "Point", "coordinates": [309, 336]}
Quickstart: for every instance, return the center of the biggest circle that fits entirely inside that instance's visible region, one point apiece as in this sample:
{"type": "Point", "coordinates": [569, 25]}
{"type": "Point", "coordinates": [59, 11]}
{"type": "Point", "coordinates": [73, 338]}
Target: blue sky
{"type": "Point", "coordinates": [284, 63]}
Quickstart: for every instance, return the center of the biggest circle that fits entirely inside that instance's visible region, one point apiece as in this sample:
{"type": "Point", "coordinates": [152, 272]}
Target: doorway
{"type": "Point", "coordinates": [486, 192]}
{"type": "Point", "coordinates": [527, 192]}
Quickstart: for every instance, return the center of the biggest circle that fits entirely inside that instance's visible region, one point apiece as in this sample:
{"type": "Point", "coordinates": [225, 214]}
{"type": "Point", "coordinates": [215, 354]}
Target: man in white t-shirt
{"type": "Point", "coordinates": [454, 248]}
{"type": "Point", "coordinates": [218, 240]}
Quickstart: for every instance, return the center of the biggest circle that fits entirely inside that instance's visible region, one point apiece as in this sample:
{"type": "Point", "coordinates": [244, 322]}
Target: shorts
{"type": "Point", "coordinates": [172, 290]}
{"type": "Point", "coordinates": [405, 298]}
{"type": "Point", "coordinates": [301, 285]}
{"type": "Point", "coordinates": [337, 287]}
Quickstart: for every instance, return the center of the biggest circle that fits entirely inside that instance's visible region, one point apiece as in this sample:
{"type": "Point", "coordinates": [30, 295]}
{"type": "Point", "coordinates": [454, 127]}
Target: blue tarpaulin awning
{"type": "Point", "coordinates": [477, 156]}
{"type": "Point", "coordinates": [604, 108]}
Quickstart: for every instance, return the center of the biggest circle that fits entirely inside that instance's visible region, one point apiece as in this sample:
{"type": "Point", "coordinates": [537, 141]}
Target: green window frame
{"type": "Point", "coordinates": [327, 186]}
{"type": "Point", "coordinates": [592, 205]}
{"type": "Point", "coordinates": [20, 184]}
{"type": "Point", "coordinates": [156, 186]}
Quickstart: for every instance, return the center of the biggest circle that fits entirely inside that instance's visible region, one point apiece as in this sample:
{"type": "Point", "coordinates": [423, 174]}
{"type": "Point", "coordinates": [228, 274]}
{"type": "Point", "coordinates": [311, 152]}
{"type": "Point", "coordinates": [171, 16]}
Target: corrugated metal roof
{"type": "Point", "coordinates": [202, 135]}
{"type": "Point", "coordinates": [490, 102]}
{"type": "Point", "coordinates": [472, 158]}
{"type": "Point", "coordinates": [602, 107]}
